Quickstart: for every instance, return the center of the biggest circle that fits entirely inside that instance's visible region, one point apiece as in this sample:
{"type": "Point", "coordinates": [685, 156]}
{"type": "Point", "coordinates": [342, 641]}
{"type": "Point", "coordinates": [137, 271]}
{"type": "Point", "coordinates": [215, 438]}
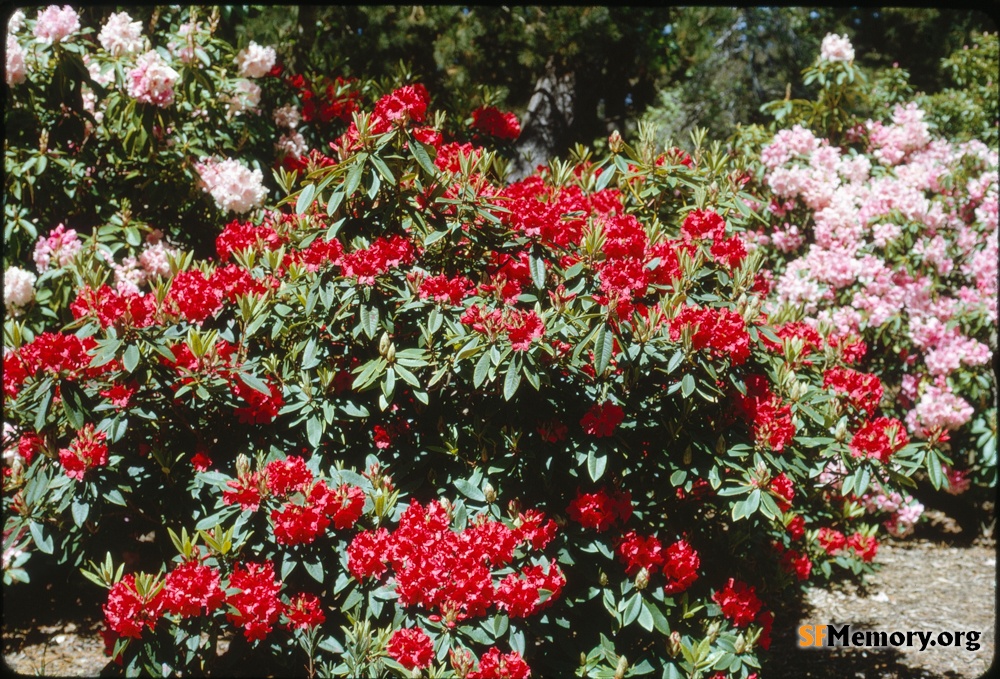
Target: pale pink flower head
{"type": "Point", "coordinates": [836, 48]}
{"type": "Point", "coordinates": [234, 186]}
{"type": "Point", "coordinates": [152, 80]}
{"type": "Point", "coordinates": [287, 116]}
{"type": "Point", "coordinates": [120, 35]}
{"type": "Point", "coordinates": [17, 70]}
{"type": "Point", "coordinates": [255, 61]}
{"type": "Point", "coordinates": [245, 97]}
{"type": "Point", "coordinates": [55, 24]}
{"type": "Point", "coordinates": [291, 144]}
{"type": "Point", "coordinates": [18, 289]}
{"type": "Point", "coordinates": [16, 21]}
{"type": "Point", "coordinates": [57, 250]}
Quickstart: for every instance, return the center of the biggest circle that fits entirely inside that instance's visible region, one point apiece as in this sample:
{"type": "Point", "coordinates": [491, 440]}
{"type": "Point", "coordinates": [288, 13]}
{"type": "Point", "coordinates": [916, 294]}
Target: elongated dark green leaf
{"type": "Point", "coordinates": [602, 350]}
{"type": "Point", "coordinates": [73, 403]}
{"type": "Point", "coordinates": [482, 370]}
{"type": "Point", "coordinates": [422, 157]}
{"type": "Point", "coordinates": [596, 464]}
{"type": "Point", "coordinates": [511, 381]}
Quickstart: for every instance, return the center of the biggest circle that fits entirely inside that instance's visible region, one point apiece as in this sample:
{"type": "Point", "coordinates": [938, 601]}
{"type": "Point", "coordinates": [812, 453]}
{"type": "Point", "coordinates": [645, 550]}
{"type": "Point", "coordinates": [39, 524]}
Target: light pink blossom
{"type": "Point", "coordinates": [55, 24]}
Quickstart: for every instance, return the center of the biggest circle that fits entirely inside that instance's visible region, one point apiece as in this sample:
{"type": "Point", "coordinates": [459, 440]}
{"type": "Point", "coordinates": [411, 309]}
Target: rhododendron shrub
{"type": "Point", "coordinates": [887, 232]}
{"type": "Point", "coordinates": [111, 121]}
{"type": "Point", "coordinates": [413, 417]}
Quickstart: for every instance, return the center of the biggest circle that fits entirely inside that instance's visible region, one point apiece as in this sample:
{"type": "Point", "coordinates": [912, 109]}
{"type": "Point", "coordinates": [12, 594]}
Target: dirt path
{"type": "Point", "coordinates": [924, 585]}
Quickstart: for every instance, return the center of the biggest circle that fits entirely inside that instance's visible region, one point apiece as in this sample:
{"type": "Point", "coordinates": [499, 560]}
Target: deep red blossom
{"type": "Point", "coordinates": [115, 309]}
{"type": "Point", "coordinates": [344, 504]}
{"type": "Point", "coordinates": [831, 540]}
{"type": "Point", "coordinates": [535, 529]}
{"type": "Point", "coordinates": [637, 552]}
{"type": "Point", "coordinates": [245, 491]}
{"type": "Point", "coordinates": [522, 328]}
{"type": "Point", "coordinates": [721, 331]}
{"type": "Point", "coordinates": [766, 622]}
{"type": "Point", "coordinates": [53, 354]}
{"type": "Point", "coordinates": [238, 236]}
{"type": "Point", "coordinates": [383, 254]}
{"type": "Point", "coordinates": [446, 290]}
{"type": "Point", "coordinates": [680, 566]}
{"type": "Point", "coordinates": [520, 594]}
{"type": "Point", "coordinates": [298, 524]}
{"type": "Point", "coordinates": [729, 251]}
{"type": "Point", "coordinates": [602, 419]}
{"type": "Point", "coordinates": [738, 601]}
{"type": "Point", "coordinates": [304, 611]}
{"type": "Point", "coordinates": [863, 391]}
{"type": "Point", "coordinates": [29, 445]}
{"type": "Point", "coordinates": [811, 340]}
{"type": "Point", "coordinates": [880, 439]}
{"type": "Point", "coordinates": [799, 564]}
{"type": "Point", "coordinates": [193, 297]}
{"type": "Point", "coordinates": [493, 540]}
{"type": "Point", "coordinates": [865, 546]}
{"type": "Point", "coordinates": [411, 648]}
{"type": "Point", "coordinates": [449, 156]}
{"type": "Point", "coordinates": [552, 431]}
{"type": "Point", "coordinates": [367, 554]}
{"type": "Point", "coordinates": [288, 475]}
{"type": "Point", "coordinates": [783, 491]}
{"type": "Point", "coordinates": [127, 613]}
{"type": "Point", "coordinates": [495, 123]}
{"type": "Point", "coordinates": [87, 451]}
{"type": "Point", "coordinates": [706, 224]}
{"type": "Point", "coordinates": [200, 461]}
{"type": "Point", "coordinates": [796, 527]}
{"type": "Point", "coordinates": [495, 665]}
{"type": "Point", "coordinates": [256, 602]}
{"type": "Point", "coordinates": [260, 408]}
{"type": "Point", "coordinates": [192, 589]}
{"type": "Point", "coordinates": [601, 510]}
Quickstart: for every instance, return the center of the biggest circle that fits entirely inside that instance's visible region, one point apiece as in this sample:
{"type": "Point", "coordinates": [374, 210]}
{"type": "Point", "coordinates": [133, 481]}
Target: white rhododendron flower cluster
{"type": "Point", "coordinates": [234, 186]}
{"type": "Point", "coordinates": [120, 35]}
{"type": "Point", "coordinates": [18, 289]}
{"type": "Point", "coordinates": [836, 48]}
{"type": "Point", "coordinates": [55, 24]}
{"type": "Point", "coordinates": [255, 61]}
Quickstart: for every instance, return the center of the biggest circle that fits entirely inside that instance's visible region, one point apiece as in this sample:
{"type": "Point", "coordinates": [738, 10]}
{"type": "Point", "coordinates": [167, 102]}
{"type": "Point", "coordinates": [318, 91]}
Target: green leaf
{"type": "Point", "coordinates": [537, 267]}
{"type": "Point", "coordinates": [470, 490]}
{"type": "Point", "coordinates": [73, 403]}
{"type": "Point", "coordinates": [511, 381]}
{"type": "Point", "coordinates": [482, 370]}
{"type": "Point", "coordinates": [80, 511]}
{"type": "Point", "coordinates": [314, 569]}
{"type": "Point", "coordinates": [314, 431]}
{"type": "Point", "coordinates": [42, 541]}
{"type": "Point", "coordinates": [687, 385]}
{"type": "Point", "coordinates": [306, 198]}
{"type": "Point", "coordinates": [602, 350]}
{"type": "Point", "coordinates": [678, 478]}
{"type": "Point", "coordinates": [255, 383]}
{"type": "Point", "coordinates": [596, 464]}
{"type": "Point", "coordinates": [632, 610]}
{"type": "Point", "coordinates": [131, 358]}
{"type": "Point", "coordinates": [43, 407]}
{"type": "Point", "coordinates": [422, 157]}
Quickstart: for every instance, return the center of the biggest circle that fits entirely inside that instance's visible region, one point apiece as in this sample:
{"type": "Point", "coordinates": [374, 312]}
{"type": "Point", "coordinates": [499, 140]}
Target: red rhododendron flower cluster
{"type": "Point", "coordinates": [496, 665]}
{"type": "Point", "coordinates": [879, 438]}
{"type": "Point", "coordinates": [601, 510]}
{"type": "Point", "coordinates": [446, 290]}
{"type": "Point", "coordinates": [861, 390]}
{"type": "Point", "coordinates": [794, 330]}
{"type": "Point", "coordinates": [639, 552]}
{"type": "Point", "coordinates": [602, 419]}
{"type": "Point", "coordinates": [261, 408]}
{"type": "Point", "coordinates": [193, 296]}
{"type": "Point", "coordinates": [327, 99]}
{"type": "Point", "coordinates": [534, 529]}
{"type": "Point", "coordinates": [865, 546]}
{"type": "Point", "coordinates": [522, 327]}
{"type": "Point", "coordinates": [238, 236]}
{"type": "Point", "coordinates": [192, 589]}
{"type": "Point", "coordinates": [783, 491]}
{"type": "Point", "coordinates": [383, 254]}
{"type": "Point", "coordinates": [127, 613]}
{"type": "Point", "coordinates": [738, 601]}
{"type": "Point", "coordinates": [772, 421]}
{"type": "Point", "coordinates": [411, 648]}
{"type": "Point", "coordinates": [721, 331]}
{"type": "Point", "coordinates": [520, 593]}
{"type": "Point", "coordinates": [794, 562]}
{"type": "Point", "coordinates": [831, 540]}
{"type": "Point", "coordinates": [257, 606]}
{"type": "Point", "coordinates": [286, 476]}
{"type": "Point", "coordinates": [51, 353]}
{"type": "Point", "coordinates": [703, 224]}
{"type": "Point", "coordinates": [449, 156]}
{"type": "Point", "coordinates": [304, 611]}
{"type": "Point", "coordinates": [246, 491]}
{"type": "Point", "coordinates": [112, 308]}
{"type": "Point", "coordinates": [495, 123]}
{"type": "Point", "coordinates": [680, 566]}
{"type": "Point", "coordinates": [449, 571]}
{"type": "Point", "coordinates": [405, 105]}
{"type": "Point", "coordinates": [87, 451]}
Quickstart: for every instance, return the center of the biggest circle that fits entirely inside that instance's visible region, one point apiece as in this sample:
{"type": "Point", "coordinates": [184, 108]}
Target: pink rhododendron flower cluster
{"type": "Point", "coordinates": [254, 61]}
{"type": "Point", "coordinates": [55, 24]}
{"type": "Point", "coordinates": [152, 80]}
{"type": "Point", "coordinates": [836, 48]}
{"type": "Point", "coordinates": [57, 249]}
{"type": "Point", "coordinates": [17, 70]}
{"type": "Point", "coordinates": [120, 35]}
{"type": "Point", "coordinates": [234, 186]}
